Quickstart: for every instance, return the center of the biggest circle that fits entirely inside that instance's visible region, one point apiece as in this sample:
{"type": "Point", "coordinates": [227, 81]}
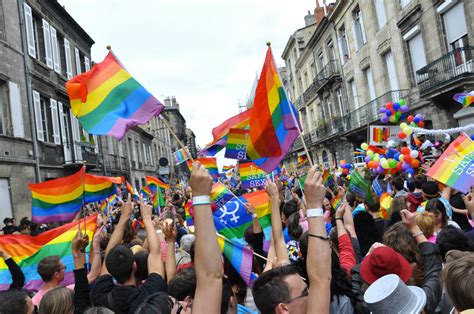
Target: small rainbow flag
{"type": "Point", "coordinates": [380, 135]}
{"type": "Point", "coordinates": [385, 203]}
{"type": "Point", "coordinates": [210, 163]}
{"type": "Point", "coordinates": [466, 99]}
{"type": "Point", "coordinates": [227, 168]}
{"type": "Point", "coordinates": [98, 188]}
{"type": "Point", "coordinates": [220, 132]}
{"type": "Point", "coordinates": [328, 179]}
{"type": "Point", "coordinates": [103, 206]}
{"type": "Point", "coordinates": [181, 155]}
{"type": "Point", "coordinates": [58, 199]}
{"type": "Point", "coordinates": [455, 167]}
{"type": "Point", "coordinates": [240, 256]}
{"type": "Point", "coordinates": [336, 202]}
{"type": "Point", "coordinates": [220, 195]}
{"type": "Point", "coordinates": [236, 147]}
{"type": "Point", "coordinates": [251, 175]}
{"type": "Point", "coordinates": [145, 190]}
{"type": "Point", "coordinates": [132, 191]}
{"type": "Point", "coordinates": [153, 183]}
{"type": "Point", "coordinates": [107, 100]}
{"type": "Point", "coordinates": [27, 251]}
{"type": "Point", "coordinates": [188, 208]}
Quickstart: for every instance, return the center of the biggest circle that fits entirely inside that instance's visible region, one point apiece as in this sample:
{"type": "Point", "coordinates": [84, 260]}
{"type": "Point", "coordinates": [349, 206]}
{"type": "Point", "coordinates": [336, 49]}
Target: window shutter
{"type": "Point", "coordinates": [78, 61]}
{"type": "Point", "coordinates": [392, 71]}
{"type": "Point", "coordinates": [53, 105]}
{"type": "Point", "coordinates": [76, 137]}
{"type": "Point", "coordinates": [38, 119]}
{"type": "Point", "coordinates": [62, 123]}
{"type": "Point", "coordinates": [55, 49]}
{"type": "Point", "coordinates": [67, 55]}
{"type": "Point", "coordinates": [16, 110]}
{"type": "Point", "coordinates": [362, 28]}
{"type": "Point", "coordinates": [341, 50]}
{"type": "Point", "coordinates": [455, 23]}
{"type": "Point", "coordinates": [380, 11]}
{"type": "Point", "coordinates": [87, 64]}
{"type": "Point", "coordinates": [356, 33]}
{"type": "Point", "coordinates": [30, 34]}
{"type": "Point", "coordinates": [145, 159]}
{"type": "Point", "coordinates": [96, 143]}
{"type": "Point", "coordinates": [47, 44]}
{"type": "Point", "coordinates": [85, 134]}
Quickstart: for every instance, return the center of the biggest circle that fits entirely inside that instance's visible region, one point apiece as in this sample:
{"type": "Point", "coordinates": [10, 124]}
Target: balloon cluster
{"type": "Point", "coordinates": [345, 166]}
{"type": "Point", "coordinates": [391, 161]}
{"type": "Point", "coordinates": [394, 111]}
{"type": "Point", "coordinates": [407, 129]}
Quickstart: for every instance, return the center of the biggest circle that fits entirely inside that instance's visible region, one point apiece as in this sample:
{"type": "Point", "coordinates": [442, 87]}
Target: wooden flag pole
{"type": "Point", "coordinates": [235, 196]}
{"type": "Point", "coordinates": [165, 122]}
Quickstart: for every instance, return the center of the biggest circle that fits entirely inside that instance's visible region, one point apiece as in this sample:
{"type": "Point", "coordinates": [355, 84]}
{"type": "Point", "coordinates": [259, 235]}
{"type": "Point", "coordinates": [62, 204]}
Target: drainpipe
{"type": "Point", "coordinates": [29, 91]}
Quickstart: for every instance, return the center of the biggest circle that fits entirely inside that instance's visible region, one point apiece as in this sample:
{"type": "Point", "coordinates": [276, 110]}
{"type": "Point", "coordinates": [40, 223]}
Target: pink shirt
{"type": "Point", "coordinates": [40, 294]}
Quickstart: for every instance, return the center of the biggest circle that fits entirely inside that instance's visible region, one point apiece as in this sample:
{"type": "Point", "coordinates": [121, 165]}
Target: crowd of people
{"type": "Point", "coordinates": [320, 259]}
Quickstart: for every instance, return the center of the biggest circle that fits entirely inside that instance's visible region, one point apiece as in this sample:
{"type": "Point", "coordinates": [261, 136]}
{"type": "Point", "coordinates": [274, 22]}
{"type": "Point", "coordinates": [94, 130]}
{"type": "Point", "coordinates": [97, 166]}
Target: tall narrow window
{"type": "Point", "coordinates": [343, 45]}
{"type": "Point", "coordinates": [358, 29]}
{"type": "Point", "coordinates": [370, 83]}
{"type": "Point", "coordinates": [380, 12]}
{"type": "Point", "coordinates": [55, 50]}
{"type": "Point", "coordinates": [404, 3]}
{"type": "Point", "coordinates": [355, 100]}
{"type": "Point", "coordinates": [47, 44]}
{"type": "Point", "coordinates": [391, 70]}
{"type": "Point", "coordinates": [416, 48]}
{"type": "Point", "coordinates": [455, 27]}
{"type": "Point", "coordinates": [340, 101]}
{"type": "Point", "coordinates": [67, 57]}
{"type": "Point", "coordinates": [78, 61]}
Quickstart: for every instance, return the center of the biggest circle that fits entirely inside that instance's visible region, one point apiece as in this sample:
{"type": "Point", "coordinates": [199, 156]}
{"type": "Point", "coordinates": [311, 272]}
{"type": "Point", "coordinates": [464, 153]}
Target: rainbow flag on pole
{"type": "Point", "coordinates": [455, 167]}
{"type": "Point", "coordinates": [328, 179]}
{"type": "Point", "coordinates": [220, 194]}
{"type": "Point", "coordinates": [153, 183]}
{"type": "Point", "coordinates": [466, 99]}
{"type": "Point", "coordinates": [98, 188]}
{"type": "Point", "coordinates": [58, 199]}
{"type": "Point", "coordinates": [27, 251]}
{"type": "Point", "coordinates": [132, 191]}
{"type": "Point", "coordinates": [237, 144]}
{"type": "Point", "coordinates": [107, 100]}
{"type": "Point", "coordinates": [273, 123]}
{"type": "Point", "coordinates": [210, 163]}
{"type": "Point", "coordinates": [251, 175]}
{"type": "Point", "coordinates": [181, 155]}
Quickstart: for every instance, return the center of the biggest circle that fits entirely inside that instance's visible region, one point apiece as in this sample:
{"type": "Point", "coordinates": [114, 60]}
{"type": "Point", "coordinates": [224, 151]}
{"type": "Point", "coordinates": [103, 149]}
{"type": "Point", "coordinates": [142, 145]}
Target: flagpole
{"type": "Point", "coordinates": [165, 122]}
{"type": "Point", "coordinates": [256, 254]}
{"type": "Point", "coordinates": [238, 199]}
{"type": "Point", "coordinates": [297, 123]}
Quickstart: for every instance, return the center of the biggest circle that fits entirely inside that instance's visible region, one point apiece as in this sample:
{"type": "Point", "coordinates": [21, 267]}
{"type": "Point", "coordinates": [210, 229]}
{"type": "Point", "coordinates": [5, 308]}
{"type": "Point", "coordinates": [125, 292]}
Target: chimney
{"type": "Point", "coordinates": [319, 12]}
{"type": "Point", "coordinates": [309, 19]}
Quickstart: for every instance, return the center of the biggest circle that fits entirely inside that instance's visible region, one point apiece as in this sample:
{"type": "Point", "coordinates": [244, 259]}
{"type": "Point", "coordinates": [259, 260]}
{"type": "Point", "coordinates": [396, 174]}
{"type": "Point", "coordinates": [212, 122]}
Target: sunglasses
{"type": "Point", "coordinates": [303, 294]}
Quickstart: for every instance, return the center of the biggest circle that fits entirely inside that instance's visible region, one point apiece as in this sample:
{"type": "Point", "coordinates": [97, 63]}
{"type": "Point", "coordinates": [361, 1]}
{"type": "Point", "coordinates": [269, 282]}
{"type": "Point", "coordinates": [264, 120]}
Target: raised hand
{"type": "Point", "coordinates": [201, 180]}
{"type": "Point", "coordinates": [271, 188]}
{"type": "Point", "coordinates": [314, 188]}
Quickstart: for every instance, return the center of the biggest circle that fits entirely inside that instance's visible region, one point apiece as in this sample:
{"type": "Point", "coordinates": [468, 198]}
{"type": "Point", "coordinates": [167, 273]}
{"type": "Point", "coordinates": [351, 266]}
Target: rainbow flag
{"type": "Point", "coordinates": [466, 99]}
{"type": "Point", "coordinates": [236, 147]}
{"type": "Point", "coordinates": [213, 148]}
{"type": "Point", "coordinates": [57, 200]}
{"type": "Point", "coordinates": [145, 190]}
{"type": "Point", "coordinates": [380, 135]}
{"type": "Point", "coordinates": [27, 251]}
{"type": "Point", "coordinates": [336, 202]}
{"type": "Point", "coordinates": [103, 206]}
{"type": "Point", "coordinates": [210, 163]}
{"type": "Point", "coordinates": [98, 188]}
{"type": "Point", "coordinates": [153, 183]}
{"type": "Point", "coordinates": [239, 121]}
{"type": "Point", "coordinates": [273, 123]}
{"type": "Point", "coordinates": [188, 208]}
{"type": "Point", "coordinates": [107, 100]}
{"type": "Point", "coordinates": [251, 175]}
{"type": "Point", "coordinates": [132, 191]}
{"type": "Point", "coordinates": [226, 168]}
{"type": "Point", "coordinates": [385, 203]}
{"type": "Point", "coordinates": [328, 179]}
{"type": "Point", "coordinates": [455, 167]}
{"type": "Point", "coordinates": [181, 155]}
{"type": "Point", "coordinates": [220, 195]}
{"type": "Point", "coordinates": [240, 256]}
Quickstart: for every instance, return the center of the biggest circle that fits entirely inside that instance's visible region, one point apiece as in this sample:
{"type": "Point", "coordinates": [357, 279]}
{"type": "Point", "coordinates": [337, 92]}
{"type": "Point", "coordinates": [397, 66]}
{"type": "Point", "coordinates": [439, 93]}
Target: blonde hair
{"type": "Point", "coordinates": [426, 222]}
{"type": "Point", "coordinates": [59, 300]}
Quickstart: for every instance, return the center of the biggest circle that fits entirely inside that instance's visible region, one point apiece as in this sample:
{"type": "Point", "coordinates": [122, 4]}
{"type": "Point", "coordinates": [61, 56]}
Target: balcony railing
{"type": "Point", "coordinates": [310, 92]}
{"type": "Point", "coordinates": [327, 73]}
{"type": "Point", "coordinates": [299, 103]}
{"type": "Point", "coordinates": [450, 68]}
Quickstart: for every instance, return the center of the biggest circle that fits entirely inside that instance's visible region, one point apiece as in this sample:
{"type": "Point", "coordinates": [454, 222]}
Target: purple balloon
{"type": "Point", "coordinates": [419, 116]}
{"type": "Point", "coordinates": [406, 166]}
{"type": "Point", "coordinates": [384, 119]}
{"type": "Point", "coordinates": [368, 158]}
{"type": "Point", "coordinates": [380, 170]}
{"type": "Point", "coordinates": [404, 109]}
{"type": "Point", "coordinates": [382, 110]}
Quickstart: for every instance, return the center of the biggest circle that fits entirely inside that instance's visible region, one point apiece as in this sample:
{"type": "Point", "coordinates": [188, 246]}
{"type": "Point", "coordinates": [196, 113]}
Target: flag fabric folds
{"type": "Point", "coordinates": [210, 163]}
{"type": "Point", "coordinates": [251, 175]}
{"type": "Point", "coordinates": [98, 188]}
{"type": "Point", "coordinates": [466, 99]}
{"type": "Point", "coordinates": [360, 187]}
{"type": "Point", "coordinates": [57, 200]}
{"type": "Point", "coordinates": [132, 191]}
{"type": "Point", "coordinates": [27, 251]}
{"type": "Point", "coordinates": [181, 155]}
{"type": "Point", "coordinates": [273, 123]}
{"type": "Point", "coordinates": [237, 144]}
{"type": "Point", "coordinates": [153, 183]}
{"type": "Point", "coordinates": [455, 167]}
{"type": "Point", "coordinates": [107, 100]}
{"type": "Point", "coordinates": [220, 195]}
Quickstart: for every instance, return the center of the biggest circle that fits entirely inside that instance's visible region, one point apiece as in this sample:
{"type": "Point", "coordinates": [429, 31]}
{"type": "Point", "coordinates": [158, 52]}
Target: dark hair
{"type": "Point", "coordinates": [227, 293]}
{"type": "Point", "coordinates": [141, 260]}
{"type": "Point", "coordinates": [158, 302]}
{"type": "Point", "coordinates": [48, 266]}
{"type": "Point", "coordinates": [340, 283]}
{"type": "Point", "coordinates": [351, 199]}
{"type": "Point", "coordinates": [180, 211]}
{"type": "Point", "coordinates": [419, 181]}
{"type": "Point", "coordinates": [304, 245]}
{"type": "Point", "coordinates": [289, 208]}
{"type": "Point", "coordinates": [397, 183]}
{"type": "Point", "coordinates": [183, 284]}
{"type": "Point", "coordinates": [452, 238]}
{"type": "Point", "coordinates": [129, 232]}
{"type": "Point", "coordinates": [435, 205]}
{"type": "Point", "coordinates": [430, 190]}
{"type": "Point", "coordinates": [98, 310]}
{"type": "Point", "coordinates": [13, 302]}
{"type": "Point", "coordinates": [191, 251]}
{"type": "Point", "coordinates": [373, 207]}
{"type": "Point", "coordinates": [119, 262]}
{"type": "Point", "coordinates": [294, 228]}
{"type": "Point", "coordinates": [366, 231]}
{"type": "Point", "coordinates": [270, 288]}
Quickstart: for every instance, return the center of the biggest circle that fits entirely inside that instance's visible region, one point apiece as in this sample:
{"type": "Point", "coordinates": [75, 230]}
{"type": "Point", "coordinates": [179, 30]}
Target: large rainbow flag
{"type": "Point", "coordinates": [57, 200]}
{"type": "Point", "coordinates": [455, 167]}
{"type": "Point", "coordinates": [27, 251]}
{"type": "Point", "coordinates": [154, 183]}
{"type": "Point", "coordinates": [107, 100]}
{"type": "Point", "coordinates": [98, 188]}
{"type": "Point", "coordinates": [273, 123]}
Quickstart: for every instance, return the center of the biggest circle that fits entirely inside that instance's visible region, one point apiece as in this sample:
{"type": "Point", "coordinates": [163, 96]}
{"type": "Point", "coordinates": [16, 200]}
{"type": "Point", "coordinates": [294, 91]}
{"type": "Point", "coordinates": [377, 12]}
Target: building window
{"type": "Point", "coordinates": [313, 70]}
{"type": "Point", "coordinates": [320, 61]}
{"type": "Point", "coordinates": [4, 114]}
{"type": "Point", "coordinates": [300, 85]}
{"type": "Point", "coordinates": [370, 83]}
{"type": "Point", "coordinates": [304, 120]}
{"type": "Point", "coordinates": [329, 106]}
{"type": "Point", "coordinates": [455, 28]}
{"type": "Point", "coordinates": [331, 54]}
{"type": "Point", "coordinates": [77, 59]}
{"type": "Point", "coordinates": [404, 3]}
{"type": "Point", "coordinates": [380, 12]}
{"type": "Point", "coordinates": [343, 45]}
{"type": "Point", "coordinates": [340, 103]}
{"type": "Point", "coordinates": [416, 48]}
{"type": "Point", "coordinates": [306, 80]}
{"type": "Point", "coordinates": [358, 29]}
{"type": "Point", "coordinates": [391, 70]}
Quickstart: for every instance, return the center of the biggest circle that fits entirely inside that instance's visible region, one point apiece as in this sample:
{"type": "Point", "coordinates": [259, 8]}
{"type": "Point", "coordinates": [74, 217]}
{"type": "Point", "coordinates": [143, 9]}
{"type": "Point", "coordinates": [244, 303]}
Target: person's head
{"type": "Point", "coordinates": [304, 245]}
{"type": "Point", "coordinates": [397, 183]}
{"type": "Point", "coordinates": [59, 300]}
{"type": "Point", "coordinates": [8, 221]}
{"type": "Point", "coordinates": [426, 222]}
{"type": "Point", "coordinates": [420, 179]}
{"type": "Point", "coordinates": [228, 300]}
{"type": "Point", "coordinates": [294, 228]}
{"type": "Point", "coordinates": [436, 207]}
{"type": "Point", "coordinates": [430, 190]}
{"type": "Point", "coordinates": [183, 285]}
{"type": "Point", "coordinates": [98, 310]}
{"type": "Point", "coordinates": [351, 199]}
{"type": "Point", "coordinates": [15, 302]}
{"type": "Point", "coordinates": [452, 238]}
{"type": "Point", "coordinates": [382, 261]}
{"type": "Point", "coordinates": [398, 203]}
{"type": "Point", "coordinates": [458, 278]}
{"type": "Point", "coordinates": [288, 208]}
{"type": "Point", "coordinates": [280, 290]}
{"type": "Point", "coordinates": [129, 233]}
{"type": "Point", "coordinates": [327, 204]}
{"type": "Point", "coordinates": [120, 264]}
{"type": "Point", "coordinates": [186, 241]}
{"type": "Point", "coordinates": [141, 262]}
{"type": "Point", "coordinates": [158, 302]}
{"type": "Point", "coordinates": [51, 269]}
{"type": "Point", "coordinates": [366, 231]}
{"type": "Point", "coordinates": [373, 207]}
{"type": "Point", "coordinates": [400, 239]}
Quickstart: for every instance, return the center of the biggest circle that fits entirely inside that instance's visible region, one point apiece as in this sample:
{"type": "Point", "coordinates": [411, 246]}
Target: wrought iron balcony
{"type": "Point", "coordinates": [327, 74]}
{"type": "Point", "coordinates": [310, 92]}
{"type": "Point", "coordinates": [299, 103]}
{"type": "Point", "coordinates": [449, 69]}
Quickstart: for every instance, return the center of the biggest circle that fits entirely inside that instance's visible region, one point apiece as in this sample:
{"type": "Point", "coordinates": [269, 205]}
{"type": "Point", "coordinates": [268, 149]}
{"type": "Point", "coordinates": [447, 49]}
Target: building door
{"type": "Point", "coordinates": [5, 201]}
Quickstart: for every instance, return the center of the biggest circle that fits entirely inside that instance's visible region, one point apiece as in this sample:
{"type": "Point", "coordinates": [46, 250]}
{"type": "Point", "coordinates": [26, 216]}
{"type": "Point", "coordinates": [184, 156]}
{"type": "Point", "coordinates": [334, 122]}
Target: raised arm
{"type": "Point", "coordinates": [155, 263]}
{"type": "Point", "coordinates": [277, 232]}
{"type": "Point", "coordinates": [17, 274]}
{"type": "Point", "coordinates": [81, 287]}
{"type": "Point", "coordinates": [94, 256]}
{"type": "Point", "coordinates": [171, 233]}
{"type": "Point", "coordinates": [318, 263]}
{"type": "Point", "coordinates": [208, 262]}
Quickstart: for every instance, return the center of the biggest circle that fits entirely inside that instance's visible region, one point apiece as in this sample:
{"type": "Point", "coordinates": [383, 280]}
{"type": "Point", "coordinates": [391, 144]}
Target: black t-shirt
{"type": "Point", "coordinates": [456, 200]}
{"type": "Point", "coordinates": [10, 229]}
{"type": "Point", "coordinates": [125, 299]}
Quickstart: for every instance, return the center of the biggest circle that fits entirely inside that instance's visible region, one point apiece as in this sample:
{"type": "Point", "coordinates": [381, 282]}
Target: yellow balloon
{"type": "Point", "coordinates": [364, 146]}
{"type": "Point", "coordinates": [401, 158]}
{"type": "Point", "coordinates": [370, 153]}
{"type": "Point", "coordinates": [376, 158]}
{"type": "Point", "coordinates": [408, 130]}
{"type": "Point", "coordinates": [403, 125]}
